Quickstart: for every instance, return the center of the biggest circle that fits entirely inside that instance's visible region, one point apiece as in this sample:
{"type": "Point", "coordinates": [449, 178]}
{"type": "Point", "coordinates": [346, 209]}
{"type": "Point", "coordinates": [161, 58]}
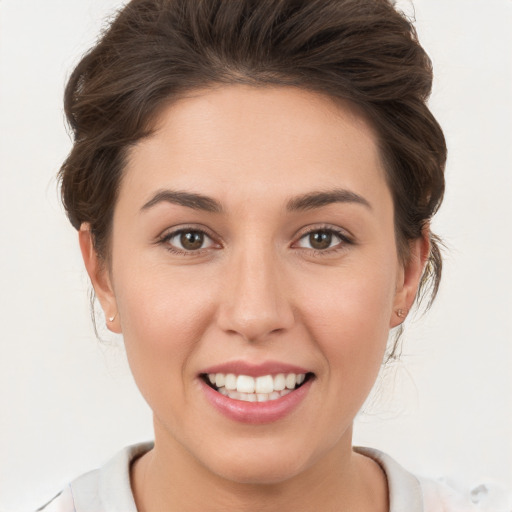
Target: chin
{"type": "Point", "coordinates": [260, 465]}
{"type": "Point", "coordinates": [243, 472]}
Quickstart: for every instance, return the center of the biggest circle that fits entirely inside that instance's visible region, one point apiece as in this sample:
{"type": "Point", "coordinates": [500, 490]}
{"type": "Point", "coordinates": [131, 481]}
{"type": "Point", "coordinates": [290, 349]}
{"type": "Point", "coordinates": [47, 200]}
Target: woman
{"type": "Point", "coordinates": [253, 184]}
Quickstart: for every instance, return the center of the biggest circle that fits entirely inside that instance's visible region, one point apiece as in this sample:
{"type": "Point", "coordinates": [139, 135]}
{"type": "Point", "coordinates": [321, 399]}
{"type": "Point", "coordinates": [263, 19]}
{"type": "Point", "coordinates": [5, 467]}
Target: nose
{"type": "Point", "coordinates": [255, 301]}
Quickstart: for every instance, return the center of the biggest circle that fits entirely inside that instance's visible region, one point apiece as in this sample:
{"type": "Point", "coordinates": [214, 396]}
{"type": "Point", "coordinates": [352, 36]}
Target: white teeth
{"type": "Point", "coordinates": [245, 384]}
{"type": "Point", "coordinates": [253, 397]}
{"type": "Point", "coordinates": [291, 380]}
{"type": "Point", "coordinates": [264, 384]}
{"type": "Point", "coordinates": [230, 381]}
{"type": "Point", "coordinates": [279, 382]}
{"type": "Point", "coordinates": [252, 389]}
{"type": "Point", "coordinates": [220, 380]}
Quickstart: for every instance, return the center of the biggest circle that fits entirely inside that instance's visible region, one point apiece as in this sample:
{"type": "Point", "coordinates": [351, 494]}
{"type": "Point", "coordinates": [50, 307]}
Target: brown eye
{"type": "Point", "coordinates": [321, 240]}
{"type": "Point", "coordinates": [188, 240]}
{"type": "Point", "coordinates": [192, 240]}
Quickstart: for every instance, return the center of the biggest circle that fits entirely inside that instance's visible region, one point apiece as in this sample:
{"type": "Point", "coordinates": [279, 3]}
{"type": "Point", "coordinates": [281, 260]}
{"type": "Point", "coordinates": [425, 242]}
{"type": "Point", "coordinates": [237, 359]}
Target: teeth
{"type": "Point", "coordinates": [220, 380]}
{"type": "Point", "coordinates": [247, 388]}
{"type": "Point", "coordinates": [245, 384]}
{"type": "Point", "coordinates": [264, 384]}
{"type": "Point", "coordinates": [279, 382]}
{"type": "Point", "coordinates": [253, 397]}
{"type": "Point", "coordinates": [230, 381]}
{"type": "Point", "coordinates": [291, 380]}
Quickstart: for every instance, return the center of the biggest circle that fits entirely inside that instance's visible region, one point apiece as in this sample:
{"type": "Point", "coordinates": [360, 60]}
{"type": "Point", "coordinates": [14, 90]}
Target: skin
{"type": "Point", "coordinates": [255, 291]}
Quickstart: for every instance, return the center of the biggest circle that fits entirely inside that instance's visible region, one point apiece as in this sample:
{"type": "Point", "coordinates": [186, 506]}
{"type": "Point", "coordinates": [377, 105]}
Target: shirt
{"type": "Point", "coordinates": [108, 489]}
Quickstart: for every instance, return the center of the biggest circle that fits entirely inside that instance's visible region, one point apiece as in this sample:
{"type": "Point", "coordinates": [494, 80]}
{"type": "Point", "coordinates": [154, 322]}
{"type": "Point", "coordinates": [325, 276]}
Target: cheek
{"type": "Point", "coordinates": [352, 300]}
{"type": "Point", "coordinates": [348, 316]}
{"type": "Point", "coordinates": [163, 318]}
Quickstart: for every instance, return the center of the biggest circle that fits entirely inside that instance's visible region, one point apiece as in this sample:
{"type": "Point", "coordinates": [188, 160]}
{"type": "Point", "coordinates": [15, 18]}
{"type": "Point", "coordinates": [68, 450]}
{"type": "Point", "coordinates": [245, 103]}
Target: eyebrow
{"type": "Point", "coordinates": [188, 199]}
{"type": "Point", "coordinates": [314, 200]}
{"type": "Point", "coordinates": [304, 202]}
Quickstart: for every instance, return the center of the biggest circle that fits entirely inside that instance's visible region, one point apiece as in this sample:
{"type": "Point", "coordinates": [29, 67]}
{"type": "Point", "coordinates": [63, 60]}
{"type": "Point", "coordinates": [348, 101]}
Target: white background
{"type": "Point", "coordinates": [67, 401]}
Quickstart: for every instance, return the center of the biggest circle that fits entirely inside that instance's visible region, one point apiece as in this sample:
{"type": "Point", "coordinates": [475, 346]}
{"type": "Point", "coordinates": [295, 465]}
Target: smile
{"type": "Point", "coordinates": [262, 388]}
{"type": "Point", "coordinates": [256, 393]}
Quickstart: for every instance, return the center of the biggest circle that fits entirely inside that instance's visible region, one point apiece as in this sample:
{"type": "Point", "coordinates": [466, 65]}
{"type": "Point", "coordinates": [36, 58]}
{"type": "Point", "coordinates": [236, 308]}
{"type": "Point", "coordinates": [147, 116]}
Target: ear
{"type": "Point", "coordinates": [100, 277]}
{"type": "Point", "coordinates": [409, 277]}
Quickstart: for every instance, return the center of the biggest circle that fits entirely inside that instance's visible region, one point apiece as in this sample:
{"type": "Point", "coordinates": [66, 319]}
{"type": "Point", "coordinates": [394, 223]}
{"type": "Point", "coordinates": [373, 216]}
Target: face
{"type": "Point", "coordinates": [253, 239]}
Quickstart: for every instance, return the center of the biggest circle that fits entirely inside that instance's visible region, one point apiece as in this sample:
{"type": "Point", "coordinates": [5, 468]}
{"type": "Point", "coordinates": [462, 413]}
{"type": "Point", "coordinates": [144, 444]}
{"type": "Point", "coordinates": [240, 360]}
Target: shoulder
{"type": "Point", "coordinates": [63, 502]}
{"type": "Point", "coordinates": [106, 489]}
{"type": "Point", "coordinates": [410, 493]}
{"type": "Point", "coordinates": [441, 496]}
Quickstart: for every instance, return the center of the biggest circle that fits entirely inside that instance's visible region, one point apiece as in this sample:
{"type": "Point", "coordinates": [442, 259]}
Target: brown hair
{"type": "Point", "coordinates": [363, 51]}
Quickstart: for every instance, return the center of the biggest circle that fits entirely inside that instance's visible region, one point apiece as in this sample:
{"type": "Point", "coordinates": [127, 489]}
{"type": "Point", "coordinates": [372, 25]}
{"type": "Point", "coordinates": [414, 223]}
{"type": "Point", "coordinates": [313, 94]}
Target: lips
{"type": "Point", "coordinates": [255, 393]}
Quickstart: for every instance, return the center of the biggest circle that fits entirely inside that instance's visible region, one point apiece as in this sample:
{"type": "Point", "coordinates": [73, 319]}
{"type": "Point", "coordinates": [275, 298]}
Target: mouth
{"type": "Point", "coordinates": [263, 388]}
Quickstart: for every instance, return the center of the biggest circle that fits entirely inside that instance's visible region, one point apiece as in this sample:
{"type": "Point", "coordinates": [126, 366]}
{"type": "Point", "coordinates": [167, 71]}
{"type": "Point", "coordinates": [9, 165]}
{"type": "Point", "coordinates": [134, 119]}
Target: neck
{"type": "Point", "coordinates": [171, 478]}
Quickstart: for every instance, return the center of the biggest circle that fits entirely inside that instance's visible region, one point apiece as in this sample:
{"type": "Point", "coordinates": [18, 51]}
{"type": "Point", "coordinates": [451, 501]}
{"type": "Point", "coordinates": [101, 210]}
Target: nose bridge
{"type": "Point", "coordinates": [255, 302]}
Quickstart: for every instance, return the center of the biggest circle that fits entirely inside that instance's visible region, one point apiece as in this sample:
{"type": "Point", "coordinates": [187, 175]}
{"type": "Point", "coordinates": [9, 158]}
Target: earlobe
{"type": "Point", "coordinates": [100, 277]}
{"type": "Point", "coordinates": [410, 277]}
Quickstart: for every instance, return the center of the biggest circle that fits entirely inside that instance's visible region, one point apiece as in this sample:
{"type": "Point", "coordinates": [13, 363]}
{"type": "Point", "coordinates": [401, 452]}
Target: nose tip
{"type": "Point", "coordinates": [255, 304]}
{"type": "Point", "coordinates": [254, 328]}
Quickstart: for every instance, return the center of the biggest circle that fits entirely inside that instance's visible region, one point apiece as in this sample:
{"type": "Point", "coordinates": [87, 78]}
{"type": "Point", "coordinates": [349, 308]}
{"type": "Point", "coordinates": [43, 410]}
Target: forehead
{"type": "Point", "coordinates": [256, 140]}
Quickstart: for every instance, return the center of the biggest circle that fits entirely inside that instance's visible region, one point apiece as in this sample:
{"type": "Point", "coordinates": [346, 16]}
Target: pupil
{"type": "Point", "coordinates": [192, 240]}
{"type": "Point", "coordinates": [320, 239]}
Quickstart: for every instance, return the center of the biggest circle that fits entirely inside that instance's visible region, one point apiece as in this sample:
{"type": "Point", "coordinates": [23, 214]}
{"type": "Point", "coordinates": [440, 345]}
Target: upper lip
{"type": "Point", "coordinates": [254, 369]}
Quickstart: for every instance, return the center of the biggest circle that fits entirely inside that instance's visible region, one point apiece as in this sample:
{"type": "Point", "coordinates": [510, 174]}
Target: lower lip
{"type": "Point", "coordinates": [256, 412]}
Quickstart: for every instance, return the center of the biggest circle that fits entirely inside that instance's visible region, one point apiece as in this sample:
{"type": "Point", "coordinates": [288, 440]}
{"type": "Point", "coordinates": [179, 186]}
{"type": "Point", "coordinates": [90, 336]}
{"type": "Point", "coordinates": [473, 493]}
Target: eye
{"type": "Point", "coordinates": [321, 240]}
{"type": "Point", "coordinates": [188, 240]}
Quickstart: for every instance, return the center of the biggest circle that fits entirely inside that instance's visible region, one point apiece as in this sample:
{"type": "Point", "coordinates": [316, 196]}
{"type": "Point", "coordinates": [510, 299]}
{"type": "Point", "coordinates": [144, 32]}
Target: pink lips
{"type": "Point", "coordinates": [255, 412]}
{"type": "Point", "coordinates": [253, 369]}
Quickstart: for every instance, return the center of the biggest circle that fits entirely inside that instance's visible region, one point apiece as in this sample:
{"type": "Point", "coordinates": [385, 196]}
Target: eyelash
{"type": "Point", "coordinates": [344, 240]}
{"type": "Point", "coordinates": [166, 238]}
{"type": "Point", "coordinates": [340, 246]}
